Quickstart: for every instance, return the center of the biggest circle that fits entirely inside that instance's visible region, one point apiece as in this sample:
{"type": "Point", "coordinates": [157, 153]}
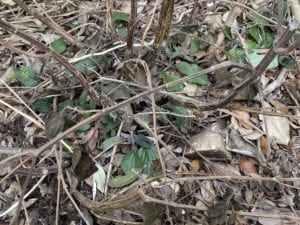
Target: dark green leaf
{"type": "Point", "coordinates": [130, 161]}
{"type": "Point", "coordinates": [119, 17]}
{"type": "Point", "coordinates": [190, 69]}
{"type": "Point", "coordinates": [42, 105]}
{"type": "Point", "coordinates": [88, 66]}
{"type": "Point", "coordinates": [59, 45]}
{"type": "Point", "coordinates": [177, 52]}
{"type": "Point", "coordinates": [84, 128]}
{"type": "Point", "coordinates": [147, 155]}
{"type": "Point", "coordinates": [84, 103]}
{"type": "Point", "coordinates": [64, 104]}
{"type": "Point", "coordinates": [287, 62]}
{"type": "Point", "coordinates": [172, 77]}
{"type": "Point", "coordinates": [143, 141]}
{"type": "Point", "coordinates": [26, 76]}
{"type": "Point", "coordinates": [195, 45]}
{"type": "Point", "coordinates": [109, 124]}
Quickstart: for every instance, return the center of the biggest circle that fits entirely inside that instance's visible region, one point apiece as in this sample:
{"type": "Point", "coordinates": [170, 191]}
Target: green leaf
{"type": "Point", "coordinates": [251, 44]}
{"type": "Point", "coordinates": [109, 123]}
{"type": "Point", "coordinates": [258, 20]}
{"type": "Point", "coordinates": [147, 155]}
{"type": "Point", "coordinates": [195, 45]}
{"type": "Point", "coordinates": [64, 104]}
{"type": "Point", "coordinates": [228, 33]}
{"type": "Point", "coordinates": [236, 54]}
{"type": "Point", "coordinates": [84, 103]}
{"type": "Point", "coordinates": [120, 17]}
{"type": "Point", "coordinates": [287, 62]}
{"type": "Point", "coordinates": [111, 142]}
{"type": "Point", "coordinates": [190, 69]}
{"type": "Point", "coordinates": [141, 158]}
{"type": "Point", "coordinates": [128, 178]}
{"type": "Point", "coordinates": [131, 160]}
{"type": "Point", "coordinates": [122, 31]}
{"type": "Point", "coordinates": [26, 76]}
{"type": "Point", "coordinates": [262, 37]}
{"type": "Point", "coordinates": [171, 77]}
{"type": "Point", "coordinates": [255, 59]}
{"type": "Point", "coordinates": [177, 52]}
{"type": "Point", "coordinates": [59, 46]}
{"type": "Point", "coordinates": [42, 105]}
{"type": "Point", "coordinates": [99, 177]}
{"type": "Point", "coordinates": [182, 122]}
{"type": "Point", "coordinates": [88, 66]}
{"type": "Point", "coordinates": [255, 34]}
{"type": "Point", "coordinates": [84, 128]}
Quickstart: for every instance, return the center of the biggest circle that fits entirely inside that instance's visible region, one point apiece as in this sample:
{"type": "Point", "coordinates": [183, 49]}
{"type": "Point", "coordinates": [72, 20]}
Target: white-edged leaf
{"type": "Point", "coordinates": [255, 59]}
{"type": "Point", "coordinates": [100, 177]}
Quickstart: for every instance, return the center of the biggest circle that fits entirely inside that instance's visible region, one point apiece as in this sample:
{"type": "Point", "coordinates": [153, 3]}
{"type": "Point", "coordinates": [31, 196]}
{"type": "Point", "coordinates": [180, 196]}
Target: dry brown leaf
{"type": "Point", "coordinates": [91, 137]}
{"type": "Point", "coordinates": [247, 167]}
{"type": "Point", "coordinates": [243, 118]}
{"type": "Point", "coordinates": [282, 107]}
{"type": "Point", "coordinates": [196, 165]}
{"type": "Point", "coordinates": [264, 145]}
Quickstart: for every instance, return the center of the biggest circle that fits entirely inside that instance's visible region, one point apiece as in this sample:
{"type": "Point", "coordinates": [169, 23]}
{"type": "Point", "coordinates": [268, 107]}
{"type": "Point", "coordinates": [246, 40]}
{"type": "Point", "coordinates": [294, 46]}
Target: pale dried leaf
{"type": "Point", "coordinates": [278, 129]}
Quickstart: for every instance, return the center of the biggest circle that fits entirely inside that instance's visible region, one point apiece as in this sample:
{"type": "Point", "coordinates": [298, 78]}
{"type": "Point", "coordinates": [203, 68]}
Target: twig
{"type": "Point", "coordinates": [150, 22]}
{"type": "Point", "coordinates": [165, 20]}
{"type": "Point", "coordinates": [123, 44]}
{"type": "Point", "coordinates": [58, 156]}
{"type": "Point", "coordinates": [279, 17]}
{"type": "Point", "coordinates": [131, 28]}
{"type": "Point", "coordinates": [72, 200]}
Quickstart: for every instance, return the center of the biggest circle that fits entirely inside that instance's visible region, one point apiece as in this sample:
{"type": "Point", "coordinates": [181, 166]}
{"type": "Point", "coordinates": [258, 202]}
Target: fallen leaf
{"type": "Point", "coordinates": [243, 118]}
{"type": "Point", "coordinates": [278, 128]}
{"type": "Point", "coordinates": [264, 145]}
{"type": "Point", "coordinates": [92, 137]}
{"type": "Point", "coordinates": [281, 107]}
{"type": "Point", "coordinates": [196, 165]}
{"type": "Point", "coordinates": [247, 167]}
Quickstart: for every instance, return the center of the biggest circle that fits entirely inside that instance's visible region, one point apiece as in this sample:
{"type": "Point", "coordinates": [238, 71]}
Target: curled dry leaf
{"type": "Point", "coordinates": [54, 125]}
{"type": "Point", "coordinates": [264, 145]}
{"type": "Point", "coordinates": [196, 165]}
{"type": "Point", "coordinates": [247, 167]}
{"type": "Point", "coordinates": [243, 118]}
